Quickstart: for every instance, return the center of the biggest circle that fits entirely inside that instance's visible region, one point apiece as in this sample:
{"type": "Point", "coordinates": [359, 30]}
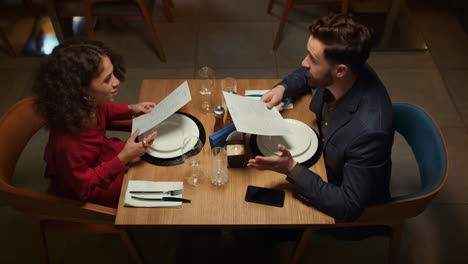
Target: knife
{"type": "Point", "coordinates": [163, 199]}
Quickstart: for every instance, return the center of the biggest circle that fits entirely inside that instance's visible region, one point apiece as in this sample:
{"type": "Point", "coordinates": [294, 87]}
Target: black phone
{"type": "Point", "coordinates": [265, 196]}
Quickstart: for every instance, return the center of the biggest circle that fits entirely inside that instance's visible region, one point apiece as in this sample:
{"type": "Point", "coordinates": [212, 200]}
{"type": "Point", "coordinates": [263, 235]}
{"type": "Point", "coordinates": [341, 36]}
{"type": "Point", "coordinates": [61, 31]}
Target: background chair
{"type": "Point", "coordinates": [430, 150]}
{"type": "Point", "coordinates": [290, 4]}
{"type": "Point", "coordinates": [16, 11]}
{"type": "Point", "coordinates": [7, 44]}
{"type": "Point", "coordinates": [123, 9]}
{"type": "Point", "coordinates": [46, 211]}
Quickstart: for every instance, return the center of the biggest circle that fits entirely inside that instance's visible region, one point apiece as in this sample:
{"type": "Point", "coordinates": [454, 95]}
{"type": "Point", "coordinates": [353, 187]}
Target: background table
{"type": "Point", "coordinates": [212, 205]}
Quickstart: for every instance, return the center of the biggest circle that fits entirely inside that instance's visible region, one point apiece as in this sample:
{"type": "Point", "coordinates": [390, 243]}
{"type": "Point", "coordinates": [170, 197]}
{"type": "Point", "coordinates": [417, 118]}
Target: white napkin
{"type": "Point", "coordinates": [152, 186]}
{"type": "Point", "coordinates": [287, 101]}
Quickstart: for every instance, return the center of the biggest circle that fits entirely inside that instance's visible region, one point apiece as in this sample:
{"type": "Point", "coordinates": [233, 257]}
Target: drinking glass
{"type": "Point", "coordinates": [192, 155]}
{"type": "Point", "coordinates": [219, 175]}
{"type": "Point", "coordinates": [207, 86]}
{"type": "Point", "coordinates": [228, 85]}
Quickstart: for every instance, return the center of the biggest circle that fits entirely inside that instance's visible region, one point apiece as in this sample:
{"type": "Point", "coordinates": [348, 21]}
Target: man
{"type": "Point", "coordinates": [354, 115]}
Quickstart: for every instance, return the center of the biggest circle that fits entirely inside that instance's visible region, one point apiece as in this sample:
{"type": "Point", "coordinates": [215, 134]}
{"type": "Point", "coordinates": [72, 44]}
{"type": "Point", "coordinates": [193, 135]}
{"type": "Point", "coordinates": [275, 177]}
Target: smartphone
{"type": "Point", "coordinates": [264, 196]}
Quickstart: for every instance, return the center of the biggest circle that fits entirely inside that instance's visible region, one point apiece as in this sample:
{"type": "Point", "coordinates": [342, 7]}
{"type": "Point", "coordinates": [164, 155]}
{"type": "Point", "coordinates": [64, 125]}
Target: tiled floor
{"type": "Point", "coordinates": [235, 38]}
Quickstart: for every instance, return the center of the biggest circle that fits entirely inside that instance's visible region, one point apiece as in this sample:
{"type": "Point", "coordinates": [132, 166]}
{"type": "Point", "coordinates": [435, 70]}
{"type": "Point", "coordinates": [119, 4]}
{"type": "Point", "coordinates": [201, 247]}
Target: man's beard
{"type": "Point", "coordinates": [326, 81]}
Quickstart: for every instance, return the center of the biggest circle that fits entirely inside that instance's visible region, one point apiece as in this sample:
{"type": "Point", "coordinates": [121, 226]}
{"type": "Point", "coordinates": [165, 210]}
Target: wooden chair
{"type": "Point", "coordinates": [290, 4]}
{"type": "Point", "coordinates": [27, 9]}
{"type": "Point", "coordinates": [426, 140]}
{"type": "Point", "coordinates": [7, 44]}
{"type": "Point", "coordinates": [145, 7]}
{"type": "Point", "coordinates": [46, 211]}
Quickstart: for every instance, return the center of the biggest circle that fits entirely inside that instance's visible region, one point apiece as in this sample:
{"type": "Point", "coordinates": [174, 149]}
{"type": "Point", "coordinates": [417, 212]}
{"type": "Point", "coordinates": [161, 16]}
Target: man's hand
{"type": "Point", "coordinates": [133, 150]}
{"type": "Point", "coordinates": [283, 164]}
{"type": "Point", "coordinates": [274, 97]}
{"type": "Point", "coordinates": [141, 108]}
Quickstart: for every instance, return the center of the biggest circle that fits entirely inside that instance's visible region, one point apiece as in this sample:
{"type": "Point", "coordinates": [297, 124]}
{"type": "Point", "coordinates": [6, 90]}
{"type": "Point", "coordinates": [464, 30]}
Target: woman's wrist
{"type": "Point", "coordinates": [130, 109]}
{"type": "Point", "coordinates": [122, 158]}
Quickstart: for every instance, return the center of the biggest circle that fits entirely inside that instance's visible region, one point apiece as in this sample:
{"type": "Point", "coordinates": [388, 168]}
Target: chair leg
{"type": "Point", "coordinates": [167, 10]}
{"type": "Point", "coordinates": [130, 244]}
{"type": "Point", "coordinates": [53, 14]}
{"type": "Point", "coordinates": [270, 5]}
{"type": "Point", "coordinates": [344, 6]}
{"type": "Point", "coordinates": [88, 12]}
{"type": "Point", "coordinates": [7, 44]}
{"type": "Point", "coordinates": [171, 4]}
{"type": "Point", "coordinates": [149, 24]}
{"type": "Point", "coordinates": [301, 244]}
{"type": "Point", "coordinates": [394, 245]}
{"type": "Point", "coordinates": [282, 23]}
{"type": "Point", "coordinates": [41, 242]}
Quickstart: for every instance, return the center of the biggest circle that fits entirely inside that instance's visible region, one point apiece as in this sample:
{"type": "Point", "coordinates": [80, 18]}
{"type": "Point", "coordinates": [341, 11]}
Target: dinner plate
{"type": "Point", "coordinates": [171, 134]}
{"type": "Point", "coordinates": [297, 141]}
{"type": "Point", "coordinates": [308, 134]}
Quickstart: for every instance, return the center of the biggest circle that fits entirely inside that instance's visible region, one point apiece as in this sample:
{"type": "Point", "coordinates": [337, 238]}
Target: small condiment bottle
{"type": "Point", "coordinates": [219, 118]}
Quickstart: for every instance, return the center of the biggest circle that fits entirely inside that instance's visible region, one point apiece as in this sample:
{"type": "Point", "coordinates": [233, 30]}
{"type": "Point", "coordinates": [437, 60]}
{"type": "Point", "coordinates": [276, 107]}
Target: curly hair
{"type": "Point", "coordinates": [347, 41]}
{"type": "Point", "coordinates": [63, 78]}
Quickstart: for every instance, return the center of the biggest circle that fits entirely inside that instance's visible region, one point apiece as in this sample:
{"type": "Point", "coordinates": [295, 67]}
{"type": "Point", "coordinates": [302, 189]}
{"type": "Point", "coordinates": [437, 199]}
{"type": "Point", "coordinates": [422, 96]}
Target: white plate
{"type": "Point", "coordinates": [301, 157]}
{"type": "Point", "coordinates": [298, 141]}
{"type": "Point", "coordinates": [171, 133]}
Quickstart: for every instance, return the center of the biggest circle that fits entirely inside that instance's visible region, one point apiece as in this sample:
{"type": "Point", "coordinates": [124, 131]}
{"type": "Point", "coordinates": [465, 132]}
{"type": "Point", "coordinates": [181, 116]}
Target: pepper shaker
{"type": "Point", "coordinates": [219, 117]}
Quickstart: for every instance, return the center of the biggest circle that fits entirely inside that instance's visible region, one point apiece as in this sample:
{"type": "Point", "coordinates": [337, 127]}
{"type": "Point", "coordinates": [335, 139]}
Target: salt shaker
{"type": "Point", "coordinates": [219, 117]}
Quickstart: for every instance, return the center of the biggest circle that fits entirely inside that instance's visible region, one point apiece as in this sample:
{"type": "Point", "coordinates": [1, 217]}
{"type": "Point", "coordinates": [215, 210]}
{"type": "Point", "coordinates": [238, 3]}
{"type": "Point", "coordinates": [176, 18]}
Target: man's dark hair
{"type": "Point", "coordinates": [347, 42]}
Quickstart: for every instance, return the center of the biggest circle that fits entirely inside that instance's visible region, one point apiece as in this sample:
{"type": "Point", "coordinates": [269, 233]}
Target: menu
{"type": "Point", "coordinates": [254, 117]}
{"type": "Point", "coordinates": [174, 101]}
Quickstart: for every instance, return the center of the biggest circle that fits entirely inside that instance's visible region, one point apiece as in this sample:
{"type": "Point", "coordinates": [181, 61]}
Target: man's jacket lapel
{"type": "Point", "coordinates": [344, 111]}
{"type": "Point", "coordinates": [317, 103]}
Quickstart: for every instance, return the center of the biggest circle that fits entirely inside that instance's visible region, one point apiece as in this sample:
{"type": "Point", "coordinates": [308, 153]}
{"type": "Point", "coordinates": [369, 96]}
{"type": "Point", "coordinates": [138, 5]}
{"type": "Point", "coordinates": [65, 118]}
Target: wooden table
{"type": "Point", "coordinates": [214, 206]}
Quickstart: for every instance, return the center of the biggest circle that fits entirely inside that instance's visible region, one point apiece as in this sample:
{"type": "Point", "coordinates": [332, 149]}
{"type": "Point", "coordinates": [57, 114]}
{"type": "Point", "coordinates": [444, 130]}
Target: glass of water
{"type": "Point", "coordinates": [228, 85]}
{"type": "Point", "coordinates": [192, 155]}
{"type": "Point", "coordinates": [219, 175]}
{"type": "Point", "coordinates": [207, 79]}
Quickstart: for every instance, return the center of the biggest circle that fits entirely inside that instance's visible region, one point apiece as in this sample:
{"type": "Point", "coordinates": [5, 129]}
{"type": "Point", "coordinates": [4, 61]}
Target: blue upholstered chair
{"type": "Point", "coordinates": [430, 150]}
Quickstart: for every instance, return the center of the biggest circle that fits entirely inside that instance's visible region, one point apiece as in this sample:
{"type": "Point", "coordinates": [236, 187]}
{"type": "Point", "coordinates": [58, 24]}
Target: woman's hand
{"type": "Point", "coordinates": [133, 150]}
{"type": "Point", "coordinates": [283, 164]}
{"type": "Point", "coordinates": [141, 108]}
{"type": "Point", "coordinates": [274, 97]}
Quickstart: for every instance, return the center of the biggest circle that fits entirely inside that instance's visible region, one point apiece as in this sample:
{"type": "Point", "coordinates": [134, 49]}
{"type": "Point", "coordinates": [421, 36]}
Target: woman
{"type": "Point", "coordinates": [76, 86]}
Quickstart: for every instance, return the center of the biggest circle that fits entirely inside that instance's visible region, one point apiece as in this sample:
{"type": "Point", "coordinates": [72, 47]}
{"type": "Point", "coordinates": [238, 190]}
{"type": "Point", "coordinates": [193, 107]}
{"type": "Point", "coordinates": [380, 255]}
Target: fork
{"type": "Point", "coordinates": [171, 193]}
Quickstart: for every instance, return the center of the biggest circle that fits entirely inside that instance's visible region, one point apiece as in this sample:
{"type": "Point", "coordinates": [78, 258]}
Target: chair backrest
{"type": "Point", "coordinates": [428, 144]}
{"type": "Point", "coordinates": [17, 126]}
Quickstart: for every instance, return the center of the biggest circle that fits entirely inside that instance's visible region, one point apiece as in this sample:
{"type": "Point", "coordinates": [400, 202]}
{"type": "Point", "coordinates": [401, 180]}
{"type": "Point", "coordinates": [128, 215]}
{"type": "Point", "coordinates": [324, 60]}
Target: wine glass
{"type": "Point", "coordinates": [207, 86]}
{"type": "Point", "coordinates": [192, 155]}
{"type": "Point", "coordinates": [229, 85]}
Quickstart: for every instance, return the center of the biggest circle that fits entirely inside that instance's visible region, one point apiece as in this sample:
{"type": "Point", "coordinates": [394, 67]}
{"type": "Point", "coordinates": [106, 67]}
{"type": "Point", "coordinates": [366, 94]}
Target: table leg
{"type": "Point", "coordinates": [301, 244]}
{"type": "Point", "coordinates": [390, 23]}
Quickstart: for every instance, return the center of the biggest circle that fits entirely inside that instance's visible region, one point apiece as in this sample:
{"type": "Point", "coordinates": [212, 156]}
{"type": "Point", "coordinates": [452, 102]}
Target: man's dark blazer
{"type": "Point", "coordinates": [357, 147]}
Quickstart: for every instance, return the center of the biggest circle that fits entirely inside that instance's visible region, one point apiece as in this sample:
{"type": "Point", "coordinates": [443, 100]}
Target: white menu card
{"type": "Point", "coordinates": [254, 117]}
{"type": "Point", "coordinates": [174, 101]}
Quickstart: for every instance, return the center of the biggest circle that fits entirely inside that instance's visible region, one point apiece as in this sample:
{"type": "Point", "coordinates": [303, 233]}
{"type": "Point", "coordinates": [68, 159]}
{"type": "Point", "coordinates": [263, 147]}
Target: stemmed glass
{"type": "Point", "coordinates": [207, 80]}
{"type": "Point", "coordinates": [229, 85]}
{"type": "Point", "coordinates": [192, 155]}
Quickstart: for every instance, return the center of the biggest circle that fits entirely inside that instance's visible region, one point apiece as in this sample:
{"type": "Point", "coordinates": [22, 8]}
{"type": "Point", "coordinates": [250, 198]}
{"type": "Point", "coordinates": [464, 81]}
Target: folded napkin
{"type": "Point", "coordinates": [257, 94]}
{"type": "Point", "coordinates": [218, 139]}
{"type": "Point", "coordinates": [152, 186]}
